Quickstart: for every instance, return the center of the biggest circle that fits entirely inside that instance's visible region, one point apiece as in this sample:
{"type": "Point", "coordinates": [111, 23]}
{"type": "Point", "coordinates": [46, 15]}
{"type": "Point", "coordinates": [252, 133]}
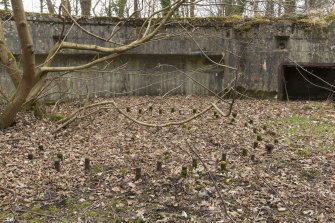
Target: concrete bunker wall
{"type": "Point", "coordinates": [136, 75]}
{"type": "Point", "coordinates": [259, 54]}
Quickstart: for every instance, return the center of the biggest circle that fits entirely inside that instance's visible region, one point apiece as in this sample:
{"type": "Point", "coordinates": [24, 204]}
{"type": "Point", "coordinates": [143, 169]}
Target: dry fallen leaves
{"type": "Point", "coordinates": [295, 181]}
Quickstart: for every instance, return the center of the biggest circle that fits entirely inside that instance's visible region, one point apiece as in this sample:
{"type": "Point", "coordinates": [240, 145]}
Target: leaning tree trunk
{"type": "Point", "coordinates": [28, 63]}
{"type": "Point", "coordinates": [33, 79]}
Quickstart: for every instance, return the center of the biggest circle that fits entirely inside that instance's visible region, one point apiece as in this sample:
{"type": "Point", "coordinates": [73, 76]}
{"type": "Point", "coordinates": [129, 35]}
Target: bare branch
{"type": "Point", "coordinates": [85, 30]}
{"type": "Point", "coordinates": [224, 205]}
{"type": "Point", "coordinates": [79, 67]}
{"type": "Point", "coordinates": [164, 124]}
{"type": "Point", "coordinates": [115, 51]}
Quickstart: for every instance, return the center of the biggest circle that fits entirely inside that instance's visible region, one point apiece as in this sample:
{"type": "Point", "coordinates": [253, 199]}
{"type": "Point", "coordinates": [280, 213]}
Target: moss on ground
{"type": "Point", "coordinates": [56, 117]}
{"type": "Point", "coordinates": [69, 211]}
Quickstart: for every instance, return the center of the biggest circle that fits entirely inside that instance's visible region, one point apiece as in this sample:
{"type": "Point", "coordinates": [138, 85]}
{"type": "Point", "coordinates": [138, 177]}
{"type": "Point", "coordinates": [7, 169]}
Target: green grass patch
{"type": "Point", "coordinates": [301, 125]}
{"type": "Point", "coordinates": [6, 216]}
{"type": "Point", "coordinates": [304, 153]}
{"type": "Point", "coordinates": [96, 168]}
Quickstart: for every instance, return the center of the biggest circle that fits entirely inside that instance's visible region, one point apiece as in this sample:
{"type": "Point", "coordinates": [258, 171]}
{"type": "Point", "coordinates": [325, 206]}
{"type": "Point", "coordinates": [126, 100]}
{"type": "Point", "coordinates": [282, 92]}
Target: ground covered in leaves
{"type": "Point", "coordinates": [295, 182]}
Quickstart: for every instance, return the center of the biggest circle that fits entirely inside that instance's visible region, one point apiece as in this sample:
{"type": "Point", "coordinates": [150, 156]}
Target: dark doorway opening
{"type": "Point", "coordinates": [307, 82]}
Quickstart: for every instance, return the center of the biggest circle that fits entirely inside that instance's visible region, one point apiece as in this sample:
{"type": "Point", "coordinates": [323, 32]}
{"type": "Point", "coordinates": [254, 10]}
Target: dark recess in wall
{"type": "Point", "coordinates": [309, 82]}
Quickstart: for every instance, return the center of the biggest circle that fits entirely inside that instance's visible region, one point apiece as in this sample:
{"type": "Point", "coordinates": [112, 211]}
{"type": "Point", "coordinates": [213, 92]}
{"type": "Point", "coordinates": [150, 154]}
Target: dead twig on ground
{"type": "Point", "coordinates": [12, 192]}
{"type": "Point", "coordinates": [9, 140]}
{"type": "Point", "coordinates": [224, 205]}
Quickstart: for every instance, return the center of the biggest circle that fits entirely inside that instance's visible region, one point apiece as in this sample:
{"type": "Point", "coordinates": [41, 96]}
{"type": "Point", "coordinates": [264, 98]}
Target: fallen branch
{"type": "Point", "coordinates": [11, 191]}
{"type": "Point", "coordinates": [224, 205]}
{"type": "Point", "coordinates": [165, 124]}
{"type": "Point", "coordinates": [74, 118]}
{"type": "Point", "coordinates": [9, 140]}
{"type": "Point", "coordinates": [278, 195]}
{"type": "Point", "coordinates": [157, 99]}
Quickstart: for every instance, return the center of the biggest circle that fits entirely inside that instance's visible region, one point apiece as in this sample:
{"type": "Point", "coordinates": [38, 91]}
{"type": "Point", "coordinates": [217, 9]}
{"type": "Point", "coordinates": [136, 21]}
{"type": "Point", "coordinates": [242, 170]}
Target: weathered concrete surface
{"type": "Point", "coordinates": [155, 68]}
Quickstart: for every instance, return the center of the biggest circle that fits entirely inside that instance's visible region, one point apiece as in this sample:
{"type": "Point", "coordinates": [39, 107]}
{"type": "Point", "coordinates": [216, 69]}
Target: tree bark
{"type": "Point", "coordinates": [28, 59]}
{"type": "Point", "coordinates": [33, 79]}
{"type": "Point", "coordinates": [42, 76]}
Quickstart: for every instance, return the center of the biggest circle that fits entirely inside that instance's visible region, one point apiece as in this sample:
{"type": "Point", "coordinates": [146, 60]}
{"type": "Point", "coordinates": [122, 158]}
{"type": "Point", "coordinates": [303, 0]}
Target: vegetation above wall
{"type": "Point", "coordinates": [236, 21]}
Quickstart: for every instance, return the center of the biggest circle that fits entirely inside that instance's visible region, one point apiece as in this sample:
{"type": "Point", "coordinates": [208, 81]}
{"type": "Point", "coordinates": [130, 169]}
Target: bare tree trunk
{"type": "Point", "coordinates": [33, 80]}
{"type": "Point", "coordinates": [192, 8]}
{"type": "Point", "coordinates": [269, 8]}
{"type": "Point", "coordinates": [66, 4]}
{"type": "Point", "coordinates": [51, 7]}
{"type": "Point", "coordinates": [28, 58]}
{"type": "Point", "coordinates": [41, 6]}
{"type": "Point", "coordinates": [76, 11]}
{"type": "Point", "coordinates": [42, 76]}
{"type": "Point", "coordinates": [137, 13]}
{"type": "Point", "coordinates": [255, 7]}
{"type": "Point", "coordinates": [86, 7]}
